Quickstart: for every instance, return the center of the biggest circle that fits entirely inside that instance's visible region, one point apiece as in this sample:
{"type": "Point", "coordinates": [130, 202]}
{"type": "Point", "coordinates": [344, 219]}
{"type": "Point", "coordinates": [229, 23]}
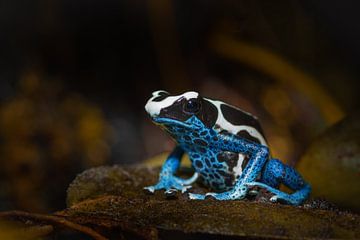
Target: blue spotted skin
{"type": "Point", "coordinates": [204, 144]}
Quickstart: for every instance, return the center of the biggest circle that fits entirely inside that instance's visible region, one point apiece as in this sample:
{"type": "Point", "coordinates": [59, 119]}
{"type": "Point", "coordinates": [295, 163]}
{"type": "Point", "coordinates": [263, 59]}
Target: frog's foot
{"type": "Point", "coordinates": [171, 185]}
{"type": "Point", "coordinates": [235, 194]}
{"type": "Point", "coordinates": [277, 193]}
{"type": "Point", "coordinates": [293, 199]}
{"type": "Point", "coordinates": [170, 188]}
{"type": "Point", "coordinates": [286, 198]}
{"type": "Point", "coordinates": [194, 196]}
{"type": "Point", "coordinates": [253, 192]}
{"type": "Point", "coordinates": [172, 191]}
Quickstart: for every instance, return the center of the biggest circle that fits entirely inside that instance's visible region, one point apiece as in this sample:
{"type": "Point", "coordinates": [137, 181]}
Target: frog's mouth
{"type": "Point", "coordinates": [171, 122]}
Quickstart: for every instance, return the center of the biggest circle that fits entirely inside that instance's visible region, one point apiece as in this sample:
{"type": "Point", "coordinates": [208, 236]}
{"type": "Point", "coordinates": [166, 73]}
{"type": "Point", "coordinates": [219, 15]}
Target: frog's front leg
{"type": "Point", "coordinates": [259, 154]}
{"type": "Point", "coordinates": [167, 178]}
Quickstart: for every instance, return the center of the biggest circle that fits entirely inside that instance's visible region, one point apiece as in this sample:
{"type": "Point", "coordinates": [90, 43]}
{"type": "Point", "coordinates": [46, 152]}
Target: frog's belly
{"type": "Point", "coordinates": [219, 170]}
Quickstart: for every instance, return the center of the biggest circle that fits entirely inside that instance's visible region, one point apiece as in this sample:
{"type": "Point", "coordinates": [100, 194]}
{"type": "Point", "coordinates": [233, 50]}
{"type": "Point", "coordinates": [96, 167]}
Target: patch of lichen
{"type": "Point", "coordinates": [112, 197]}
{"type": "Point", "coordinates": [127, 182]}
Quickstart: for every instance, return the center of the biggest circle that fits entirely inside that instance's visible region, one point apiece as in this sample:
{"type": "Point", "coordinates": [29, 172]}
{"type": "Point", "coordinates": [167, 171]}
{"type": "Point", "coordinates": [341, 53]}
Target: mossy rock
{"type": "Point", "coordinates": [112, 198]}
{"type": "Point", "coordinates": [332, 164]}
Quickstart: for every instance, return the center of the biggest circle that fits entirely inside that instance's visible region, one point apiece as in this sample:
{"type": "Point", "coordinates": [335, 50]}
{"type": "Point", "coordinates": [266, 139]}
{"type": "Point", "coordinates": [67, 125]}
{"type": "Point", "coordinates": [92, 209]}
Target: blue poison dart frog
{"type": "Point", "coordinates": [227, 149]}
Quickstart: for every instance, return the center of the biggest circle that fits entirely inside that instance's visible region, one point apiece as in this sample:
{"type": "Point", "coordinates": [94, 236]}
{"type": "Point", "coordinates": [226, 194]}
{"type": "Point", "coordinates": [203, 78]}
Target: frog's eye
{"type": "Point", "coordinates": [192, 105]}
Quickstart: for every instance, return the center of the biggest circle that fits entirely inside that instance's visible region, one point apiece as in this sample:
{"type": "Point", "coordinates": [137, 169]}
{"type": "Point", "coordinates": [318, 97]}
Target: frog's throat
{"type": "Point", "coordinates": [170, 121]}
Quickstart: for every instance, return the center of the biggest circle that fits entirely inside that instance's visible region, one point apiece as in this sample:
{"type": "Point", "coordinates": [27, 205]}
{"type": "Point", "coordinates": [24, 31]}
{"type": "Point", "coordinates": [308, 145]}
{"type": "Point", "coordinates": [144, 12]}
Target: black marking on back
{"type": "Point", "coordinates": [207, 162]}
{"type": "Point", "coordinates": [200, 142]}
{"type": "Point", "coordinates": [198, 164]}
{"type": "Point", "coordinates": [245, 134]}
{"type": "Point", "coordinates": [225, 133]}
{"type": "Point", "coordinates": [230, 158]}
{"type": "Point", "coordinates": [245, 162]}
{"type": "Point", "coordinates": [238, 117]}
{"type": "Point", "coordinates": [208, 113]}
{"type": "Point", "coordinates": [229, 181]}
{"type": "Point", "coordinates": [187, 138]}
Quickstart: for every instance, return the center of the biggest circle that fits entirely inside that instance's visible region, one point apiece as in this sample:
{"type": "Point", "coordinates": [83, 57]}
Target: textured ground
{"type": "Point", "coordinates": [111, 199]}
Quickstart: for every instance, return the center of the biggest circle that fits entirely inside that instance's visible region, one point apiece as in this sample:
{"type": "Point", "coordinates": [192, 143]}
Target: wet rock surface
{"type": "Point", "coordinates": [332, 164]}
{"type": "Point", "coordinates": [112, 198]}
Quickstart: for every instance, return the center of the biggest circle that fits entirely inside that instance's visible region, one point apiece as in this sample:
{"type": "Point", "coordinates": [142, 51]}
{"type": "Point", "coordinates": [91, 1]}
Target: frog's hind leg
{"type": "Point", "coordinates": [275, 173]}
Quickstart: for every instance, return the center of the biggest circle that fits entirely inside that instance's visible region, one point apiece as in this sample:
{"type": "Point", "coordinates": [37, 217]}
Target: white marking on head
{"type": "Point", "coordinates": [234, 129]}
{"type": "Point", "coordinates": [157, 93]}
{"type": "Point", "coordinates": [154, 108]}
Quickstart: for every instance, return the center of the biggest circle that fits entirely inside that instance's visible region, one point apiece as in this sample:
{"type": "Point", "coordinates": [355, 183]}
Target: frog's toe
{"type": "Point", "coordinates": [253, 192]}
{"type": "Point", "coordinates": [184, 189]}
{"type": "Point", "coordinates": [194, 196]}
{"type": "Point", "coordinates": [256, 184]}
{"type": "Point", "coordinates": [153, 188]}
{"type": "Point", "coordinates": [177, 186]}
{"type": "Point", "coordinates": [235, 194]}
{"type": "Point", "coordinates": [170, 193]}
{"type": "Point", "coordinates": [274, 199]}
{"type": "Point", "coordinates": [149, 189]}
{"type": "Point", "coordinates": [170, 185]}
{"type": "Point", "coordinates": [219, 196]}
{"type": "Point", "coordinates": [211, 194]}
{"type": "Point", "coordinates": [285, 198]}
{"type": "Point", "coordinates": [279, 199]}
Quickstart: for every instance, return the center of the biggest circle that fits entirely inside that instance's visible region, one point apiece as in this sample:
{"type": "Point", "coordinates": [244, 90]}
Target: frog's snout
{"type": "Point", "coordinates": [152, 108]}
{"type": "Point", "coordinates": [156, 102]}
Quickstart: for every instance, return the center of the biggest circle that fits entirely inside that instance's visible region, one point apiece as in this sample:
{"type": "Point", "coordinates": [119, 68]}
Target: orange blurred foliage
{"type": "Point", "coordinates": [44, 128]}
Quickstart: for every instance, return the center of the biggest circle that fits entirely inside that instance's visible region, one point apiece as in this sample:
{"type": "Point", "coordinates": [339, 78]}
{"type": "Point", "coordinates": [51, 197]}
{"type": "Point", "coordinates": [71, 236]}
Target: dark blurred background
{"type": "Point", "coordinates": [75, 75]}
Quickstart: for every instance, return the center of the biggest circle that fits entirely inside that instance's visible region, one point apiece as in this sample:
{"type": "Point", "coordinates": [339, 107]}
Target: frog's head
{"type": "Point", "coordinates": [188, 110]}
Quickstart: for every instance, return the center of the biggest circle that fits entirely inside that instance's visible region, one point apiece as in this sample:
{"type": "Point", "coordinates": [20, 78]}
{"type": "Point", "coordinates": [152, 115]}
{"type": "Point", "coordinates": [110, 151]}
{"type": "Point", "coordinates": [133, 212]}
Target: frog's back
{"type": "Point", "coordinates": [219, 168]}
{"type": "Point", "coordinates": [232, 120]}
